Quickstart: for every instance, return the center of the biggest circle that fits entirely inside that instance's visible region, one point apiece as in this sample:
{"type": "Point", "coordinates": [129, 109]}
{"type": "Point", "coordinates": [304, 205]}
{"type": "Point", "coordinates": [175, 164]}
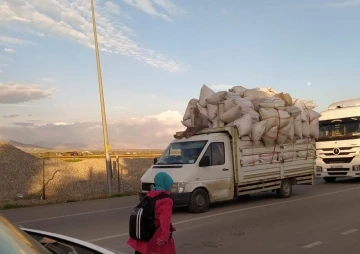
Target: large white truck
{"type": "Point", "coordinates": [207, 168]}
{"type": "Point", "coordinates": [338, 146]}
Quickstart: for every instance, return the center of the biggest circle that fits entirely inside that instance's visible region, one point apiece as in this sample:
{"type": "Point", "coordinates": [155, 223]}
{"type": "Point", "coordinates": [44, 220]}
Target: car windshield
{"type": "Point", "coordinates": [344, 128]}
{"type": "Point", "coordinates": [182, 152]}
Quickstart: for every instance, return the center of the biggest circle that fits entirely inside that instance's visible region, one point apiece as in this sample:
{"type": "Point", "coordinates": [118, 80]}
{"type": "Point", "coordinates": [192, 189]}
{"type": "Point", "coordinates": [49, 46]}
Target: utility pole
{"type": "Point", "coordinates": [103, 113]}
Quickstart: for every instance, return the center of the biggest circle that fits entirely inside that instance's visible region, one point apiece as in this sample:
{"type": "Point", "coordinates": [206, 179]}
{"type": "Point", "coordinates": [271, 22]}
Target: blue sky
{"type": "Point", "coordinates": [156, 54]}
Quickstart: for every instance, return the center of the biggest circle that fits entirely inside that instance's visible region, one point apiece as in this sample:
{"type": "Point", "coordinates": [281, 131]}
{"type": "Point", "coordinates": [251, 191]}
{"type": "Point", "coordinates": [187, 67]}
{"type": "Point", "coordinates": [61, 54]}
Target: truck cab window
{"type": "Point", "coordinates": [216, 153]}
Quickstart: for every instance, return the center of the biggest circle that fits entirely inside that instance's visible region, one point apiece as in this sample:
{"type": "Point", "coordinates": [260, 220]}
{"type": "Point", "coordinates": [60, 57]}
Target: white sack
{"type": "Point", "coordinates": [286, 98]}
{"type": "Point", "coordinates": [304, 105]}
{"type": "Point", "coordinates": [272, 102]}
{"type": "Point", "coordinates": [187, 123]}
{"type": "Point", "coordinates": [230, 95]}
{"type": "Point", "coordinates": [298, 127]}
{"type": "Point", "coordinates": [267, 90]}
{"type": "Point", "coordinates": [314, 128]}
{"type": "Point", "coordinates": [244, 125]}
{"type": "Point", "coordinates": [254, 115]}
{"type": "Point", "coordinates": [215, 122]}
{"type": "Point", "coordinates": [279, 118]}
{"type": "Point", "coordinates": [312, 115]}
{"type": "Point", "coordinates": [255, 94]}
{"type": "Point", "coordinates": [293, 111]}
{"type": "Point", "coordinates": [238, 89]}
{"type": "Point", "coordinates": [205, 93]}
{"type": "Point", "coordinates": [249, 159]}
{"type": "Point", "coordinates": [257, 130]}
{"type": "Point", "coordinates": [210, 124]}
{"type": "Point", "coordinates": [291, 133]}
{"type": "Point", "coordinates": [302, 141]}
{"type": "Point", "coordinates": [192, 104]}
{"type": "Point", "coordinates": [287, 156]}
{"type": "Point", "coordinates": [202, 109]}
{"type": "Point", "coordinates": [249, 144]}
{"type": "Point", "coordinates": [232, 102]}
{"type": "Point", "coordinates": [269, 137]}
{"type": "Point", "coordinates": [268, 157]}
{"type": "Point", "coordinates": [283, 134]}
{"type": "Point", "coordinates": [212, 111]}
{"type": "Point", "coordinates": [231, 115]}
{"type": "Point", "coordinates": [216, 98]}
{"type": "Point", "coordinates": [305, 129]}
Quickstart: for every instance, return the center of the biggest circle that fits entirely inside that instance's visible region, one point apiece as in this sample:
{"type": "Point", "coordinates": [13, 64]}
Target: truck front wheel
{"type": "Point", "coordinates": [285, 190]}
{"type": "Point", "coordinates": [329, 179]}
{"type": "Point", "coordinates": [199, 201]}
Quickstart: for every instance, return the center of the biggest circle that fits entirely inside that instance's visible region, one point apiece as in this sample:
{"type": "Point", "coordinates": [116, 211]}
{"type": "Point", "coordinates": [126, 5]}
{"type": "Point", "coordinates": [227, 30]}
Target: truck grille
{"type": "Point", "coordinates": [337, 169]}
{"type": "Point", "coordinates": [337, 160]}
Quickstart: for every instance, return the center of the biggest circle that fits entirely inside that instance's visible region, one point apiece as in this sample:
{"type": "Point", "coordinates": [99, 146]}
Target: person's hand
{"type": "Point", "coordinates": [160, 242]}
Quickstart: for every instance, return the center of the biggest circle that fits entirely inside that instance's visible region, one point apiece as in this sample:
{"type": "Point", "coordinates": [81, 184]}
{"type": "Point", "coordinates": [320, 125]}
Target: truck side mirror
{"type": "Point", "coordinates": [155, 160]}
{"type": "Point", "coordinates": [205, 161]}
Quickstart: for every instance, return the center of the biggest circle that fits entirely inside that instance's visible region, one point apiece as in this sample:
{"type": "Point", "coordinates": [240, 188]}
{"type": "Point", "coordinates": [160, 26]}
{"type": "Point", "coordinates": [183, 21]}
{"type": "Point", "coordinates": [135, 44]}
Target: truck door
{"type": "Point", "coordinates": [217, 170]}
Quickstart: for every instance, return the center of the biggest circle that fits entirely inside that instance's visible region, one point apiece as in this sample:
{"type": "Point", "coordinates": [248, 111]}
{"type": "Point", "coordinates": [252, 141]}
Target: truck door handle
{"type": "Point", "coordinates": [225, 169]}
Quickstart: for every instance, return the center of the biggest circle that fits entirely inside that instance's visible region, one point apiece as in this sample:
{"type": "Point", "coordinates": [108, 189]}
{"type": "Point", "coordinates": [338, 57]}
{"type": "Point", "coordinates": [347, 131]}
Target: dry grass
{"type": "Point", "coordinates": [65, 180]}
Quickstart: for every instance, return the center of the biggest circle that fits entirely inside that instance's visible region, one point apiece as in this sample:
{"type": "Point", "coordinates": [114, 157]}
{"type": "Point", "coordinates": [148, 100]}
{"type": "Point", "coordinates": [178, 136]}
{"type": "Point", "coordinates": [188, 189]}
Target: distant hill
{"type": "Point", "coordinates": [26, 146]}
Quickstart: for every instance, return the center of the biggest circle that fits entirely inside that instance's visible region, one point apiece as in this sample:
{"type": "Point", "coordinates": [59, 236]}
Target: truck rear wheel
{"type": "Point", "coordinates": [285, 190]}
{"type": "Point", "coordinates": [329, 179]}
{"type": "Point", "coordinates": [199, 201]}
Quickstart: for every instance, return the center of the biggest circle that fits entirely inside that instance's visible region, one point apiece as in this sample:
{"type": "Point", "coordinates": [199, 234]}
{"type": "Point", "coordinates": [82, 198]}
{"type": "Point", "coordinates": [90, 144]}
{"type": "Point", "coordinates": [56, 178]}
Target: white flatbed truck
{"type": "Point", "coordinates": [338, 146]}
{"type": "Point", "coordinates": [207, 168]}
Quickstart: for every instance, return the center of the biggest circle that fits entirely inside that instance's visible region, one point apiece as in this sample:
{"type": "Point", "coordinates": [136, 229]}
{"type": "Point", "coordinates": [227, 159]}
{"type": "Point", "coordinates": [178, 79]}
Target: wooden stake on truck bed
{"type": "Point", "coordinates": [220, 113]}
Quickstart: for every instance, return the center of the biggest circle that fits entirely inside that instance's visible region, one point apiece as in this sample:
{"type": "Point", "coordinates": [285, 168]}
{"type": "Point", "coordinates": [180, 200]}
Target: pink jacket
{"type": "Point", "coordinates": [163, 213]}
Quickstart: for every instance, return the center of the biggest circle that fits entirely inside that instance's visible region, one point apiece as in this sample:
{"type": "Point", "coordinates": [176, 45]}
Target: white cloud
{"type": "Point", "coordinates": [111, 7]}
{"type": "Point", "coordinates": [1, 71]}
{"type": "Point", "coordinates": [11, 40]}
{"type": "Point", "coordinates": [308, 83]}
{"type": "Point", "coordinates": [50, 80]}
{"type": "Point", "coordinates": [11, 93]}
{"type": "Point", "coordinates": [71, 20]}
{"type": "Point", "coordinates": [9, 50]}
{"type": "Point", "coordinates": [154, 131]}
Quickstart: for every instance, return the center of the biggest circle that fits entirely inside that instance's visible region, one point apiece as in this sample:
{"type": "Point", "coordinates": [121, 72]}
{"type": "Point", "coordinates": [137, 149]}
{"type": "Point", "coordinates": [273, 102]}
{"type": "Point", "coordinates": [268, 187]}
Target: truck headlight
{"type": "Point", "coordinates": [178, 187]}
{"type": "Point", "coordinates": [356, 168]}
{"type": "Point", "coordinates": [319, 169]}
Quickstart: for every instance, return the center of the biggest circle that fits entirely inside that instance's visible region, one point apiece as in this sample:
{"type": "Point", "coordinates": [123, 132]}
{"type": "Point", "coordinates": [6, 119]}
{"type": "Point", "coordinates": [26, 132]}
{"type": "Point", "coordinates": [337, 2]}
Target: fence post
{"type": "Point", "coordinates": [118, 173]}
{"type": "Point", "coordinates": [43, 197]}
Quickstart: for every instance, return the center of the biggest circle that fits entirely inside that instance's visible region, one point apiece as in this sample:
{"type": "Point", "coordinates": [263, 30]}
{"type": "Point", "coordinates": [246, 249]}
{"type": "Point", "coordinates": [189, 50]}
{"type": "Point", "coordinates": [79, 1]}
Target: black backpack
{"type": "Point", "coordinates": [142, 219]}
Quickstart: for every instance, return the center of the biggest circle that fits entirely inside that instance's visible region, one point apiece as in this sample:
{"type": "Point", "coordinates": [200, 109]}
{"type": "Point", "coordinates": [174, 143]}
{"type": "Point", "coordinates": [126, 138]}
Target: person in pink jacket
{"type": "Point", "coordinates": [162, 241]}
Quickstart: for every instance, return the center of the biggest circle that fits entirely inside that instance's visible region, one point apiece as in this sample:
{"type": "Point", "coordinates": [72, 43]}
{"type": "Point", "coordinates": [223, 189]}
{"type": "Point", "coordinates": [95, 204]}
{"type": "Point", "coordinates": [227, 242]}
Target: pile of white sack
{"type": "Point", "coordinates": [261, 115]}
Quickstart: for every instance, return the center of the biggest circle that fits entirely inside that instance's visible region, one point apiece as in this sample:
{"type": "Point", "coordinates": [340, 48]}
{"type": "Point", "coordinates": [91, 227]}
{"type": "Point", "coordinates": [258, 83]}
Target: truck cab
{"type": "Point", "coordinates": [202, 170]}
{"type": "Point", "coordinates": [338, 146]}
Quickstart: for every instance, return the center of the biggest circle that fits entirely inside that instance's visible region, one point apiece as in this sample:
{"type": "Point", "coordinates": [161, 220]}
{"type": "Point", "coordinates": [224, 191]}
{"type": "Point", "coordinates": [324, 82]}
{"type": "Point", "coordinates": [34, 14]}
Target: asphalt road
{"type": "Point", "coordinates": [317, 219]}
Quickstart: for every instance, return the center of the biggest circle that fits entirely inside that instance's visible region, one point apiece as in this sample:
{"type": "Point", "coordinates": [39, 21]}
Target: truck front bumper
{"type": "Point", "coordinates": [338, 170]}
{"type": "Point", "coordinates": [180, 199]}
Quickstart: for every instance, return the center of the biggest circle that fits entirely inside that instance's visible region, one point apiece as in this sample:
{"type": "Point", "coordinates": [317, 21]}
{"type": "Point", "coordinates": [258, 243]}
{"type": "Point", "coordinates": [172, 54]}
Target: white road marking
{"type": "Point", "coordinates": [236, 211]}
{"type": "Point", "coordinates": [351, 231]}
{"type": "Point", "coordinates": [312, 245]}
{"type": "Point", "coordinates": [75, 214]}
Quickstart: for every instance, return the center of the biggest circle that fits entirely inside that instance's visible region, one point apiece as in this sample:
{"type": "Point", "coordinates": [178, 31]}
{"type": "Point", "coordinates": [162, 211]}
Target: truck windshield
{"type": "Point", "coordinates": [182, 152]}
{"type": "Point", "coordinates": [344, 128]}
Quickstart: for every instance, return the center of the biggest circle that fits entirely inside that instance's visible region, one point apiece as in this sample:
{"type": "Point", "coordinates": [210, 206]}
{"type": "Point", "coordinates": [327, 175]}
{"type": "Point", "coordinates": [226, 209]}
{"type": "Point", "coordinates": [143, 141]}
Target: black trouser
{"type": "Point", "coordinates": [136, 252]}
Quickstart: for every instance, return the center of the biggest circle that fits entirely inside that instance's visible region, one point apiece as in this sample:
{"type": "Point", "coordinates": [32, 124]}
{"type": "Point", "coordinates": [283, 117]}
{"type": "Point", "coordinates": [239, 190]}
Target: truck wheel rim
{"type": "Point", "coordinates": [199, 200]}
{"type": "Point", "coordinates": [286, 188]}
